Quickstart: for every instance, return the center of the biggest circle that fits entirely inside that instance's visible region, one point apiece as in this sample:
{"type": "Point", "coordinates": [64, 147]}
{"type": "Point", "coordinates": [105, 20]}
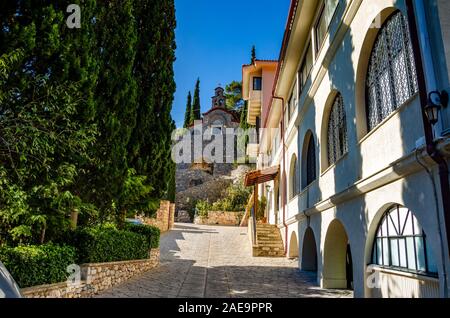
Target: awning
{"type": "Point", "coordinates": [261, 176]}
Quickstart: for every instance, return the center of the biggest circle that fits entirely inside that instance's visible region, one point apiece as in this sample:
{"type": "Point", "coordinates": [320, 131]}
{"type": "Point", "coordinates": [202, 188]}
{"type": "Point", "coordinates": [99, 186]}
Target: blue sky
{"type": "Point", "coordinates": [214, 39]}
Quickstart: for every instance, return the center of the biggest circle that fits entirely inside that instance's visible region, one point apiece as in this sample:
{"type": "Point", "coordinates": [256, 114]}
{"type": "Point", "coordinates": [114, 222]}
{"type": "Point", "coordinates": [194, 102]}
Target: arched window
{"type": "Point", "coordinates": [310, 167]}
{"type": "Point", "coordinates": [337, 131]}
{"type": "Point", "coordinates": [401, 243]}
{"type": "Point", "coordinates": [293, 177]}
{"type": "Point", "coordinates": [391, 76]}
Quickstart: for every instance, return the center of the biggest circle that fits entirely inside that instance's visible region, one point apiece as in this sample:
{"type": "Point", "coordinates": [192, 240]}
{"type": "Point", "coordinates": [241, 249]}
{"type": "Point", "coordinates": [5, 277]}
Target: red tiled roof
{"type": "Point", "coordinates": [232, 113]}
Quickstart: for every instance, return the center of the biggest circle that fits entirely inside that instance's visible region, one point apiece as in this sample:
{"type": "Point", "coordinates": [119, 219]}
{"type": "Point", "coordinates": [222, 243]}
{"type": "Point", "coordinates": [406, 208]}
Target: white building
{"type": "Point", "coordinates": [357, 198]}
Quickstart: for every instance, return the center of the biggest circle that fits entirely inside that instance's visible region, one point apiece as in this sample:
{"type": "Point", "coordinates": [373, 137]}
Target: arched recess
{"type": "Point", "coordinates": [309, 252]}
{"type": "Point", "coordinates": [324, 130]}
{"type": "Point", "coordinates": [293, 246]}
{"type": "Point", "coordinates": [338, 265]}
{"type": "Point", "coordinates": [309, 163]}
{"type": "Point", "coordinates": [363, 64]}
{"type": "Point", "coordinates": [293, 177]}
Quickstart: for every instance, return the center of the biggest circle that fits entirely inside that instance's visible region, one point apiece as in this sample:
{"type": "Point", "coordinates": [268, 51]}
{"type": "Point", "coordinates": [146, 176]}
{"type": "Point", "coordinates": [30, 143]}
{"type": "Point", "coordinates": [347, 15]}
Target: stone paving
{"type": "Point", "coordinates": [215, 262]}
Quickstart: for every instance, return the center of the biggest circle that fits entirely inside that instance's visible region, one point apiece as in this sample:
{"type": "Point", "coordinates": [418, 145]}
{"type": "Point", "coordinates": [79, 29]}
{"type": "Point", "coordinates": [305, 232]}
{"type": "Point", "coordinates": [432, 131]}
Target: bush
{"type": "Point", "coordinates": [38, 265]}
{"type": "Point", "coordinates": [151, 233]}
{"type": "Point", "coordinates": [107, 244]}
{"type": "Point", "coordinates": [203, 207]}
{"type": "Point", "coordinates": [235, 200]}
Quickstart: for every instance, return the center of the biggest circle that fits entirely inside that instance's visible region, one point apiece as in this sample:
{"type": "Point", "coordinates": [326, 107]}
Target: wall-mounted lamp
{"type": "Point", "coordinates": [436, 100]}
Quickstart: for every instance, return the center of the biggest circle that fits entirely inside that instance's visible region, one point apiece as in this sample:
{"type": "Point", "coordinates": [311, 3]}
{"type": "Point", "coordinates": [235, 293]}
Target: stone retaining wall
{"type": "Point", "coordinates": [220, 218]}
{"type": "Point", "coordinates": [95, 278]}
{"type": "Point", "coordinates": [165, 217]}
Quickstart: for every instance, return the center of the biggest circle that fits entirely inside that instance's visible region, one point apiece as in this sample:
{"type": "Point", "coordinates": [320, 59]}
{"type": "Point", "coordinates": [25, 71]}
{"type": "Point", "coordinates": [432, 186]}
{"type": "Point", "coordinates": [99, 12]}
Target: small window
{"type": "Point", "coordinates": [325, 17]}
{"type": "Point", "coordinates": [257, 83]}
{"type": "Point", "coordinates": [216, 130]}
{"type": "Point", "coordinates": [305, 69]}
{"type": "Point", "coordinates": [337, 131]}
{"type": "Point", "coordinates": [310, 167]}
{"type": "Point", "coordinates": [293, 101]}
{"type": "Point", "coordinates": [293, 180]}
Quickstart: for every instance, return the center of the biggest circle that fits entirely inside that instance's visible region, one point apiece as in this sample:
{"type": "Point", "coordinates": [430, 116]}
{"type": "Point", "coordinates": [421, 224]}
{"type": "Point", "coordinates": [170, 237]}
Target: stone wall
{"type": "Point", "coordinates": [95, 278]}
{"type": "Point", "coordinates": [220, 218]}
{"type": "Point", "coordinates": [211, 191]}
{"type": "Point", "coordinates": [165, 217]}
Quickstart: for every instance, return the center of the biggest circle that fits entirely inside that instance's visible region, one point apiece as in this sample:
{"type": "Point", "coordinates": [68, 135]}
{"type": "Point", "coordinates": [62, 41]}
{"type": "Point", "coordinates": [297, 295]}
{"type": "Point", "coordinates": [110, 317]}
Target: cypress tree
{"type": "Point", "coordinates": [187, 114]}
{"type": "Point", "coordinates": [196, 109]}
{"type": "Point", "coordinates": [253, 54]}
{"type": "Point", "coordinates": [150, 145]}
{"type": "Point", "coordinates": [116, 95]}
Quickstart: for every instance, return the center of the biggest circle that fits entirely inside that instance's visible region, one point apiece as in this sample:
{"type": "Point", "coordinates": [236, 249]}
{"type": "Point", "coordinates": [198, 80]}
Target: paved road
{"type": "Point", "coordinates": [213, 261]}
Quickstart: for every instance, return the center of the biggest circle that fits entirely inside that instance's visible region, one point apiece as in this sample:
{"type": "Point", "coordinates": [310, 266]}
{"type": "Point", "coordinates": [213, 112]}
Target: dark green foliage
{"type": "Point", "coordinates": [188, 113]}
{"type": "Point", "coordinates": [108, 244]}
{"type": "Point", "coordinates": [151, 233]}
{"type": "Point", "coordinates": [171, 190]}
{"type": "Point", "coordinates": [149, 149]}
{"type": "Point", "coordinates": [84, 113]}
{"type": "Point", "coordinates": [38, 265]}
{"type": "Point", "coordinates": [196, 108]}
{"type": "Point", "coordinates": [243, 124]}
{"type": "Point", "coordinates": [253, 55]}
{"type": "Point", "coordinates": [42, 145]}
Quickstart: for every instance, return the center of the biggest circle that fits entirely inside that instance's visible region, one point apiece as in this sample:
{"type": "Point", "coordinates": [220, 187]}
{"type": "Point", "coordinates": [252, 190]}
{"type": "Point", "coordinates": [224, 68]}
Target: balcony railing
{"type": "Point", "coordinates": [254, 106]}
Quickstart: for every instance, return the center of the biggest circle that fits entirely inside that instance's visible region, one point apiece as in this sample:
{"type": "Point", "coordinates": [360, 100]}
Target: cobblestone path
{"type": "Point", "coordinates": [214, 261]}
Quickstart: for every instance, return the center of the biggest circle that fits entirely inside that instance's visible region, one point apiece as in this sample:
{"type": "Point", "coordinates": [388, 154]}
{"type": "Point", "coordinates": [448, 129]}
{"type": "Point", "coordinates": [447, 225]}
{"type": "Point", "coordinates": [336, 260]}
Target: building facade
{"type": "Point", "coordinates": [358, 198]}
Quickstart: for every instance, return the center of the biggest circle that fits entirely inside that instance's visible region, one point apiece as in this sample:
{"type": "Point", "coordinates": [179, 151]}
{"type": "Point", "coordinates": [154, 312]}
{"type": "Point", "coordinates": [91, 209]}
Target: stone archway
{"type": "Point", "coordinates": [309, 252]}
{"type": "Point", "coordinates": [337, 267]}
{"type": "Point", "coordinates": [293, 246]}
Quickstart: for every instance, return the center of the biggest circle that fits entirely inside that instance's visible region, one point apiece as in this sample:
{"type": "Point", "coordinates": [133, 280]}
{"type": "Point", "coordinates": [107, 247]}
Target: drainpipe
{"type": "Point", "coordinates": [284, 172]}
{"type": "Point", "coordinates": [431, 148]}
{"type": "Point", "coordinates": [426, 50]}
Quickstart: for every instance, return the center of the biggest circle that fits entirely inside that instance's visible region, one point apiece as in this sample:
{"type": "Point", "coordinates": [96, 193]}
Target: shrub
{"type": "Point", "coordinates": [151, 233]}
{"type": "Point", "coordinates": [203, 207]}
{"type": "Point", "coordinates": [107, 244]}
{"type": "Point", "coordinates": [236, 198]}
{"type": "Point", "coordinates": [37, 265]}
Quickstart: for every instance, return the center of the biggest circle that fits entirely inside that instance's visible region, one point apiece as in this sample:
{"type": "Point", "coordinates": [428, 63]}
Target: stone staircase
{"type": "Point", "coordinates": [268, 241]}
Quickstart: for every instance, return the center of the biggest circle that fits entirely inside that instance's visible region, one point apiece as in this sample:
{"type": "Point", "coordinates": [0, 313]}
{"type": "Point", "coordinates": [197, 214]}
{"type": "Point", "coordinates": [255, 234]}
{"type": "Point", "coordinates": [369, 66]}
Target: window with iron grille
{"type": "Point", "coordinates": [293, 177]}
{"type": "Point", "coordinates": [337, 131]}
{"type": "Point", "coordinates": [401, 243]}
{"type": "Point", "coordinates": [391, 77]}
{"type": "Point", "coordinates": [310, 162]}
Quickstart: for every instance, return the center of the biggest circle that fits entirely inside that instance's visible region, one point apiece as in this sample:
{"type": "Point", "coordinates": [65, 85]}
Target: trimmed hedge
{"type": "Point", "coordinates": [152, 233]}
{"type": "Point", "coordinates": [38, 265]}
{"type": "Point", "coordinates": [101, 245]}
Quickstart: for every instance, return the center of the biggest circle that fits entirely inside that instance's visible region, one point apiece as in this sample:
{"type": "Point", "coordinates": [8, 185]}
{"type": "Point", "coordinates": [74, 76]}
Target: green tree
{"type": "Point", "coordinates": [187, 114]}
{"type": "Point", "coordinates": [253, 58]}
{"type": "Point", "coordinates": [196, 109]}
{"type": "Point", "coordinates": [233, 93]}
{"type": "Point", "coordinates": [110, 84]}
{"type": "Point", "coordinates": [41, 146]}
{"type": "Point", "coordinates": [150, 146]}
{"type": "Point", "coordinates": [116, 94]}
